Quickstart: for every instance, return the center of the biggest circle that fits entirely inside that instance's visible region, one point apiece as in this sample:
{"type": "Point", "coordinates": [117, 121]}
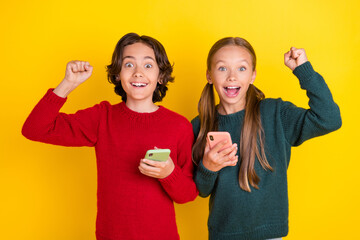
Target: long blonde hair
{"type": "Point", "coordinates": [252, 139]}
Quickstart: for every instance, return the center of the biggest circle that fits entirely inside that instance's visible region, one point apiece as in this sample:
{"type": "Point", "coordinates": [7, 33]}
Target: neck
{"type": "Point", "coordinates": [141, 106]}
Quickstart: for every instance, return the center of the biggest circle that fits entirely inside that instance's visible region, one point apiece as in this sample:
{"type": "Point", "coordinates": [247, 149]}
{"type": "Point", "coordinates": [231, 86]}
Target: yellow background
{"type": "Point", "coordinates": [49, 192]}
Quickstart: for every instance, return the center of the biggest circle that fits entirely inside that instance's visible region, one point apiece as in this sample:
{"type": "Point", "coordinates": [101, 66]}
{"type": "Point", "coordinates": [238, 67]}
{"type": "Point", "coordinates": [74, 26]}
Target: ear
{"type": "Point", "coordinates": [253, 77]}
{"type": "Point", "coordinates": [208, 77]}
{"type": "Point", "coordinates": [160, 79]}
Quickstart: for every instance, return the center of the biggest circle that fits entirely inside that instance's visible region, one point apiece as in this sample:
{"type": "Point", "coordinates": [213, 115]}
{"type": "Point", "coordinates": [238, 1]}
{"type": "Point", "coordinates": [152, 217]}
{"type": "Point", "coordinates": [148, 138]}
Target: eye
{"type": "Point", "coordinates": [128, 65]}
{"type": "Point", "coordinates": [241, 69]}
{"type": "Point", "coordinates": [222, 69]}
{"type": "Point", "coordinates": [148, 65]}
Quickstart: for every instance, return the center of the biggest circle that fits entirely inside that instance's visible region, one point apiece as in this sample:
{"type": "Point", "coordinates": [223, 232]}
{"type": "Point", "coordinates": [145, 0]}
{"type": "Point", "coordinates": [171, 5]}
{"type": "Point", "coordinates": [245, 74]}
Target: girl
{"type": "Point", "coordinates": [135, 195]}
{"type": "Point", "coordinates": [249, 197]}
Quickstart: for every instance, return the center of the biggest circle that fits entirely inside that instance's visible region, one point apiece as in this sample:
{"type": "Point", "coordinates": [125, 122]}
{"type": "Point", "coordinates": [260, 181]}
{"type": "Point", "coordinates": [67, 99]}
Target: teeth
{"type": "Point", "coordinates": [139, 84]}
{"type": "Point", "coordinates": [232, 87]}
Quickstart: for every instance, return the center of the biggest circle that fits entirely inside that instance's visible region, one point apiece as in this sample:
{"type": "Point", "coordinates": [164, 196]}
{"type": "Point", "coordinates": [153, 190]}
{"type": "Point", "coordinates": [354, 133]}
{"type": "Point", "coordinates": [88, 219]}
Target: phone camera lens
{"type": "Point", "coordinates": [211, 138]}
{"type": "Point", "coordinates": [150, 155]}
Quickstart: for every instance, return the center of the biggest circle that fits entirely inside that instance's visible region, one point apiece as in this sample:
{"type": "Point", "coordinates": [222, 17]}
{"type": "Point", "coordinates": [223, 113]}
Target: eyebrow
{"type": "Point", "coordinates": [131, 57]}
{"type": "Point", "coordinates": [221, 61]}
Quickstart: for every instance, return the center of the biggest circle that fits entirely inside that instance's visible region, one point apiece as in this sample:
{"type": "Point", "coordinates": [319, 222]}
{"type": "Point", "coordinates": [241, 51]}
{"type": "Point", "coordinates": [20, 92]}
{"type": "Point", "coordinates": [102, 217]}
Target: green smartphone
{"type": "Point", "coordinates": [158, 154]}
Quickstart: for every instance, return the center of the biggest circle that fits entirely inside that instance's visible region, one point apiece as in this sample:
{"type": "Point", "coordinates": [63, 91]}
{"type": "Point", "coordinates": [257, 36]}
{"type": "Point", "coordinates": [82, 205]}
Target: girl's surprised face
{"type": "Point", "coordinates": [139, 72]}
{"type": "Point", "coordinates": [231, 73]}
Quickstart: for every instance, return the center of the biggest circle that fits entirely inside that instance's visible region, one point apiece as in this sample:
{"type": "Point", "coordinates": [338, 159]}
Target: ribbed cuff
{"type": "Point", "coordinates": [172, 178]}
{"type": "Point", "coordinates": [54, 99]}
{"type": "Point", "coordinates": [268, 231]}
{"type": "Point", "coordinates": [304, 70]}
{"type": "Point", "coordinates": [304, 73]}
{"type": "Point", "coordinates": [206, 173]}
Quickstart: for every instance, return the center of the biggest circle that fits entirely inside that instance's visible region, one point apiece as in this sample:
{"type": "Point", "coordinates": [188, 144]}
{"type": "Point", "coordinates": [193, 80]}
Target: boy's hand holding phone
{"type": "Point", "coordinates": [219, 151]}
{"type": "Point", "coordinates": [157, 163]}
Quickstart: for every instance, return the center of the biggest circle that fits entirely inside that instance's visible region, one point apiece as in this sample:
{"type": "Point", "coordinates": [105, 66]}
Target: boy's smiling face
{"type": "Point", "coordinates": [139, 73]}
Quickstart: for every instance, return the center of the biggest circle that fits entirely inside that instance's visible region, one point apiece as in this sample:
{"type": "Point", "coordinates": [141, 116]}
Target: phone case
{"type": "Point", "coordinates": [158, 154]}
{"type": "Point", "coordinates": [215, 137]}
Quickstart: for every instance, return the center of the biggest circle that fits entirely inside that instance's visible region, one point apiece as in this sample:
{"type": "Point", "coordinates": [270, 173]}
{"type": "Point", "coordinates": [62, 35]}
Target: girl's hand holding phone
{"type": "Point", "coordinates": [217, 158]}
{"type": "Point", "coordinates": [156, 169]}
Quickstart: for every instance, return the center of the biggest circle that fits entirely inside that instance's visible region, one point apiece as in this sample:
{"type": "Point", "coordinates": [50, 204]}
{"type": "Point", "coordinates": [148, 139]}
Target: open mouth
{"type": "Point", "coordinates": [231, 91]}
{"type": "Point", "coordinates": [139, 84]}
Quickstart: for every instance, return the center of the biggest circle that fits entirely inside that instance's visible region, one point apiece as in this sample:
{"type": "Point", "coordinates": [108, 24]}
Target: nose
{"type": "Point", "coordinates": [231, 76]}
{"type": "Point", "coordinates": [137, 72]}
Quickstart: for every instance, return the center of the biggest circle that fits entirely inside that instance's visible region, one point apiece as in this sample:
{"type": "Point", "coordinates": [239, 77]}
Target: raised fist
{"type": "Point", "coordinates": [295, 57]}
{"type": "Point", "coordinates": [77, 72]}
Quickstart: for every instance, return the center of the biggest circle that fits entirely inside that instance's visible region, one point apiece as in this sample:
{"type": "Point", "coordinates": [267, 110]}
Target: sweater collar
{"type": "Point", "coordinates": [141, 116]}
{"type": "Point", "coordinates": [230, 118]}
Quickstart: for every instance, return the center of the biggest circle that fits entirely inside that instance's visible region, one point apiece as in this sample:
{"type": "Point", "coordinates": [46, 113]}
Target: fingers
{"type": "Point", "coordinates": [231, 162]}
{"type": "Point", "coordinates": [228, 150]}
{"type": "Point", "coordinates": [300, 56]}
{"type": "Point", "coordinates": [287, 56]}
{"type": "Point", "coordinates": [153, 163]}
{"type": "Point", "coordinates": [79, 66]}
{"type": "Point", "coordinates": [77, 72]}
{"type": "Point", "coordinates": [295, 53]}
{"type": "Point", "coordinates": [292, 54]}
{"type": "Point", "coordinates": [215, 161]}
{"type": "Point", "coordinates": [295, 57]}
{"type": "Point", "coordinates": [231, 158]}
{"type": "Point", "coordinates": [148, 167]}
{"type": "Point", "coordinates": [156, 169]}
{"type": "Point", "coordinates": [219, 146]}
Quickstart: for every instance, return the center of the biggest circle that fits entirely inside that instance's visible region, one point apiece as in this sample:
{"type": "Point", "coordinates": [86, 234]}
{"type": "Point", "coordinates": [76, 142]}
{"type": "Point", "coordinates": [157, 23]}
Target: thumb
{"type": "Point", "coordinates": [88, 67]}
{"type": "Point", "coordinates": [295, 53]}
{"type": "Point", "coordinates": [287, 56]}
{"type": "Point", "coordinates": [207, 147]}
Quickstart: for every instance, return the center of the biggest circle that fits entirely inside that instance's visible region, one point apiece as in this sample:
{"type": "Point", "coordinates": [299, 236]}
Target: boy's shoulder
{"type": "Point", "coordinates": [175, 117]}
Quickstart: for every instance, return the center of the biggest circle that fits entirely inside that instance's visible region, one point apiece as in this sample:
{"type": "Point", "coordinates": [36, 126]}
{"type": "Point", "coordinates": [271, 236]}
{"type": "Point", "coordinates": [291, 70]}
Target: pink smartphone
{"type": "Point", "coordinates": [215, 137]}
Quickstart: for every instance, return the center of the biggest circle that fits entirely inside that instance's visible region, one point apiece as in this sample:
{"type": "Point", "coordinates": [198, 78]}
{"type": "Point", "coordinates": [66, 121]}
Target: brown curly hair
{"type": "Point", "coordinates": [114, 69]}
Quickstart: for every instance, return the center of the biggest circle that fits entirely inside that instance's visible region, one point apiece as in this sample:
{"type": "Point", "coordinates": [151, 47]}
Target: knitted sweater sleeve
{"type": "Point", "coordinates": [322, 117]}
{"type": "Point", "coordinates": [180, 185]}
{"type": "Point", "coordinates": [46, 124]}
{"type": "Point", "coordinates": [204, 179]}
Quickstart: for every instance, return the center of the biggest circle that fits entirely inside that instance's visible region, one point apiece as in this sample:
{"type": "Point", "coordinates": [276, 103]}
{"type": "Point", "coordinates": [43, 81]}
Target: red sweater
{"type": "Point", "coordinates": [130, 204]}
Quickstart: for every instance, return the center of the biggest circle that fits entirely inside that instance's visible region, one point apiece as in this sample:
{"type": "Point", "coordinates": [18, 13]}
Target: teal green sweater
{"type": "Point", "coordinates": [262, 214]}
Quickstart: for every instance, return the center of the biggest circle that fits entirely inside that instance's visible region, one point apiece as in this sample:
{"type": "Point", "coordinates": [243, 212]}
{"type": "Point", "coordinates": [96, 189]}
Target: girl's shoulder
{"type": "Point", "coordinates": [195, 122]}
{"type": "Point", "coordinates": [270, 103]}
{"type": "Point", "coordinates": [274, 104]}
